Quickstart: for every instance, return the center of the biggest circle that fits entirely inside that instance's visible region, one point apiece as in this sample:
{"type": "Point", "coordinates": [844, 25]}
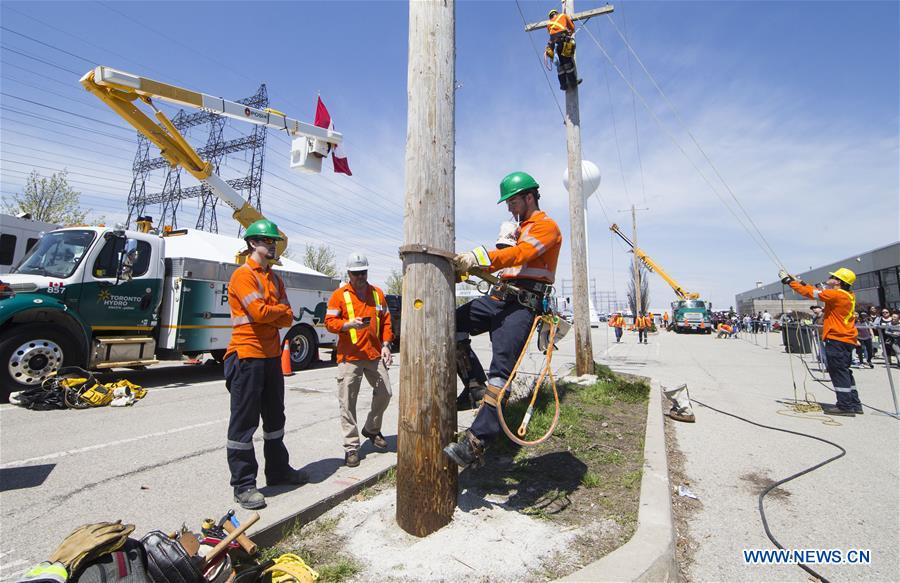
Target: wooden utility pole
{"type": "Point", "coordinates": [638, 307]}
{"type": "Point", "coordinates": [426, 479]}
{"type": "Point", "coordinates": [584, 353]}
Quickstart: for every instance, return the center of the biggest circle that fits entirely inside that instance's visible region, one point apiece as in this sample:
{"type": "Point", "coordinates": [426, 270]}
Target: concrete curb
{"type": "Point", "coordinates": [271, 534]}
{"type": "Point", "coordinates": [650, 554]}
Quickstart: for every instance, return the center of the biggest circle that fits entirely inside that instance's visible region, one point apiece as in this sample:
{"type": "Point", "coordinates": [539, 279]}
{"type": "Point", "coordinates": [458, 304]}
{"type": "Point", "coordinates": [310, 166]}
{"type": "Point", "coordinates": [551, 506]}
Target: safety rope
{"type": "Point", "coordinates": [546, 372]}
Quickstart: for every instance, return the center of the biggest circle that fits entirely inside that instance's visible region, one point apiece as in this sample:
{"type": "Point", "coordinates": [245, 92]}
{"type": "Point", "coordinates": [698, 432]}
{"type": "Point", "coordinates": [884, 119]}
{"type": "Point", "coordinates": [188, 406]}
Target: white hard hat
{"type": "Point", "coordinates": [357, 262]}
{"type": "Point", "coordinates": [507, 235]}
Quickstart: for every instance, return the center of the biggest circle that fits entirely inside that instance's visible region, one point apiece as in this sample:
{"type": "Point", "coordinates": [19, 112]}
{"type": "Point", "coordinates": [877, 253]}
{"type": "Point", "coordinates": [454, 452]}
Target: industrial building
{"type": "Point", "coordinates": [877, 283]}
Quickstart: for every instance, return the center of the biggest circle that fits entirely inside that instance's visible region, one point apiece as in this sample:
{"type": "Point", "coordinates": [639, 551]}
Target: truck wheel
{"type": "Point", "coordinates": [30, 353]}
{"type": "Point", "coordinates": [304, 347]}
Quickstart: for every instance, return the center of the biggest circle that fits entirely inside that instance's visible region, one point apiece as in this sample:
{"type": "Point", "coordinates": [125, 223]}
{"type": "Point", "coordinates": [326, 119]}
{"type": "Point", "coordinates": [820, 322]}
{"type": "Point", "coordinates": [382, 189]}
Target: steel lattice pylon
{"type": "Point", "coordinates": [215, 151]}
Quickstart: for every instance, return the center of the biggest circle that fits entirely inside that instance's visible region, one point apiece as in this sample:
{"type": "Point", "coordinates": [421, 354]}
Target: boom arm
{"type": "Point", "coordinates": [120, 91]}
{"type": "Point", "coordinates": [653, 266]}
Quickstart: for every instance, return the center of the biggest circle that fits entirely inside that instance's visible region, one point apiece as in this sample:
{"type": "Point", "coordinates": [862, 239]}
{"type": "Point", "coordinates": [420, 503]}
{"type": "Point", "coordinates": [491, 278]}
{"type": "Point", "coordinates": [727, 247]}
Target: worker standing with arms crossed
{"type": "Point", "coordinates": [358, 313]}
{"type": "Point", "coordinates": [838, 334]}
{"type": "Point", "coordinates": [530, 265]}
{"type": "Point", "coordinates": [259, 307]}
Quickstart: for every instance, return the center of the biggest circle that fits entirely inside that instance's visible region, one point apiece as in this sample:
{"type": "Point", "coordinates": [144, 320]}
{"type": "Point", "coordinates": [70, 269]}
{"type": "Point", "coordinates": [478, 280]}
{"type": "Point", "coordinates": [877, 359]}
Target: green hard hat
{"type": "Point", "coordinates": [263, 228]}
{"type": "Point", "coordinates": [514, 183]}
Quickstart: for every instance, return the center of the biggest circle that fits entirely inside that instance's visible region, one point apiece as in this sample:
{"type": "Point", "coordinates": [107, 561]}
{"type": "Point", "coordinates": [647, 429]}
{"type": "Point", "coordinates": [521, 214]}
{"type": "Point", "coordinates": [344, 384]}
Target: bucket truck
{"type": "Point", "coordinates": [689, 312]}
{"type": "Point", "coordinates": [101, 297]}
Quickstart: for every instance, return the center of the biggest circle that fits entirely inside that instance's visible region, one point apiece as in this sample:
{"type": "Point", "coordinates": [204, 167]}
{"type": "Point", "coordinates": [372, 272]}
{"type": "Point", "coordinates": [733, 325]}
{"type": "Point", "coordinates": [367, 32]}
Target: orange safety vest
{"type": "Point", "coordinates": [259, 307]}
{"type": "Point", "coordinates": [560, 23]}
{"type": "Point", "coordinates": [363, 344]}
{"type": "Point", "coordinates": [839, 322]}
{"type": "Point", "coordinates": [535, 254]}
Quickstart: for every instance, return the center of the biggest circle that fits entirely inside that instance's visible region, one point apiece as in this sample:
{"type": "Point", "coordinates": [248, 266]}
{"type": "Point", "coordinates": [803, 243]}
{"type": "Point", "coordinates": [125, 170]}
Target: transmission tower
{"type": "Point", "coordinates": [215, 151]}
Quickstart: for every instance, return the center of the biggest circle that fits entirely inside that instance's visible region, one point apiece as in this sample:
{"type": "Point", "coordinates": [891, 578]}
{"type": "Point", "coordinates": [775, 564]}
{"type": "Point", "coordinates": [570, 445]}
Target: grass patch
{"type": "Point", "coordinates": [591, 480]}
{"type": "Point", "coordinates": [339, 571]}
{"type": "Point", "coordinates": [632, 480]}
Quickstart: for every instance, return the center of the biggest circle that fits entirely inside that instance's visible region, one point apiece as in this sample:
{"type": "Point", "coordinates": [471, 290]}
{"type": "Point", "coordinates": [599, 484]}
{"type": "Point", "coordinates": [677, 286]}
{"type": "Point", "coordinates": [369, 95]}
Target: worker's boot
{"type": "Point", "coordinates": [466, 451]}
{"type": "Point", "coordinates": [251, 499]}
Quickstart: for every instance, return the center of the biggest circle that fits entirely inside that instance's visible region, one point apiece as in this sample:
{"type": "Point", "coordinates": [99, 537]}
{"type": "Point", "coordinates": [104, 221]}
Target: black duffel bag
{"type": "Point", "coordinates": [168, 562]}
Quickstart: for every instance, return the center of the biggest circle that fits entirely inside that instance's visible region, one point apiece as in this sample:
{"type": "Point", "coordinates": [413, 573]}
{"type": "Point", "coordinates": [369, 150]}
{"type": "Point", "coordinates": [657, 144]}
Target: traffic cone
{"type": "Point", "coordinates": [286, 368]}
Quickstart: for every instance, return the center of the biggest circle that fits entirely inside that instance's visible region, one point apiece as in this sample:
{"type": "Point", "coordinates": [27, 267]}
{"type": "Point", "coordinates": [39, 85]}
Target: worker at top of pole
{"type": "Point", "coordinates": [259, 307]}
{"type": "Point", "coordinates": [358, 314]}
{"type": "Point", "coordinates": [839, 334]}
{"type": "Point", "coordinates": [562, 43]}
{"type": "Point", "coordinates": [530, 265]}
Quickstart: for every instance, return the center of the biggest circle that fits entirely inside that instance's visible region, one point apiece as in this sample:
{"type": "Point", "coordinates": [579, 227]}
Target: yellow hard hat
{"type": "Point", "coordinates": [844, 275]}
{"type": "Point", "coordinates": [552, 12]}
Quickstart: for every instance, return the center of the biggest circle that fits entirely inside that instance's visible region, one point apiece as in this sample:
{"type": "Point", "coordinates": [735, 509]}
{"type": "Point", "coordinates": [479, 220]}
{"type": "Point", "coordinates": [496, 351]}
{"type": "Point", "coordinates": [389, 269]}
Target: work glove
{"type": "Point", "coordinates": [476, 258]}
{"type": "Point", "coordinates": [90, 541]}
{"type": "Point", "coordinates": [786, 277]}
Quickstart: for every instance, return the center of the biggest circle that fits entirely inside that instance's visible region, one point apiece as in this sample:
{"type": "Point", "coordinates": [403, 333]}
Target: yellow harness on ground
{"type": "Point", "coordinates": [81, 389]}
{"type": "Point", "coordinates": [289, 568]}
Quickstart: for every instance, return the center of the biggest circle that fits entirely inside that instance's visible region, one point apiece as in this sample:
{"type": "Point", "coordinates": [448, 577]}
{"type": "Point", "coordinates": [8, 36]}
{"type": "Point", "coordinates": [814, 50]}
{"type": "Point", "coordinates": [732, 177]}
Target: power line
{"type": "Point", "coordinates": [681, 149]}
{"type": "Point", "coordinates": [54, 65]}
{"type": "Point", "coordinates": [541, 64]}
{"type": "Point", "coordinates": [637, 138]}
{"type": "Point", "coordinates": [46, 44]}
{"type": "Point", "coordinates": [87, 117]}
{"type": "Point", "coordinates": [697, 144]}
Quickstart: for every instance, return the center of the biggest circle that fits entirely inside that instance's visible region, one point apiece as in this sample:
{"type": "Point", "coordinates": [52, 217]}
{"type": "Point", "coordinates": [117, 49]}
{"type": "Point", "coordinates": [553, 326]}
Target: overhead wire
{"type": "Point", "coordinates": [678, 145]}
{"type": "Point", "coordinates": [697, 145]}
{"type": "Point", "coordinates": [541, 65]}
{"type": "Point", "coordinates": [637, 135]}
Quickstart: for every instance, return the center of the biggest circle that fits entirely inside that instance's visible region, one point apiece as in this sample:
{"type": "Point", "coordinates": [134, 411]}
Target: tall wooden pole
{"type": "Point", "coordinates": [584, 352]}
{"type": "Point", "coordinates": [426, 480]}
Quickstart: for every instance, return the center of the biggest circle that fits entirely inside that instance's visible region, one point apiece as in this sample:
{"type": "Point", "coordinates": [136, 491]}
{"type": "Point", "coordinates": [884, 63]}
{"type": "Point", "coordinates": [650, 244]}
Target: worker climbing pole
{"type": "Point", "coordinates": [562, 43]}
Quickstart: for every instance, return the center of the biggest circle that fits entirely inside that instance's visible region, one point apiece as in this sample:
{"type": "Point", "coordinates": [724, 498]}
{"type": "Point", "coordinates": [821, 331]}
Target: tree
{"type": "Point", "coordinates": [48, 199]}
{"type": "Point", "coordinates": [321, 258]}
{"type": "Point", "coordinates": [645, 290]}
{"type": "Point", "coordinates": [394, 283]}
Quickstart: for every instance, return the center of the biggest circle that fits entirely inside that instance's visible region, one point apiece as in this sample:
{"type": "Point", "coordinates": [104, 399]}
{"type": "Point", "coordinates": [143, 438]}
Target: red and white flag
{"type": "Point", "coordinates": [323, 120]}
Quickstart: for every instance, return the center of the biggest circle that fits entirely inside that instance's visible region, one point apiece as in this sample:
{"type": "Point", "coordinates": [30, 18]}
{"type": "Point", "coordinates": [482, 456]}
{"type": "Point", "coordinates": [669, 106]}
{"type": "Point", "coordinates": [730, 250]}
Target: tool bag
{"type": "Point", "coordinates": [127, 565]}
{"type": "Point", "coordinates": [568, 47]}
{"type": "Point", "coordinates": [168, 562]}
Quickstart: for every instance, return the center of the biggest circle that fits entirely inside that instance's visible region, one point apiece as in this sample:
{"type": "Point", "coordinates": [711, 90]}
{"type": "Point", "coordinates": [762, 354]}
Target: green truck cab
{"type": "Point", "coordinates": [102, 298]}
{"type": "Point", "coordinates": [692, 316]}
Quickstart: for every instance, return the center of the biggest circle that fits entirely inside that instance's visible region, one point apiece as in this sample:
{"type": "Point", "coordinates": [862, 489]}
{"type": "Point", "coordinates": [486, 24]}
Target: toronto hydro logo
{"type": "Point", "coordinates": [116, 301]}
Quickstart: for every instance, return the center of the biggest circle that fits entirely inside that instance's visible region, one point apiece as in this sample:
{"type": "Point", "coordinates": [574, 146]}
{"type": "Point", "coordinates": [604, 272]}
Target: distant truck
{"type": "Point", "coordinates": [17, 236]}
{"type": "Point", "coordinates": [691, 316]}
{"type": "Point", "coordinates": [102, 298]}
{"type": "Point", "coordinates": [689, 312]}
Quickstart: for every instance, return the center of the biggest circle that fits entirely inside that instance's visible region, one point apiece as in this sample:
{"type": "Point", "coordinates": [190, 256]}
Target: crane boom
{"type": "Point", "coordinates": [653, 266]}
{"type": "Point", "coordinates": [120, 91]}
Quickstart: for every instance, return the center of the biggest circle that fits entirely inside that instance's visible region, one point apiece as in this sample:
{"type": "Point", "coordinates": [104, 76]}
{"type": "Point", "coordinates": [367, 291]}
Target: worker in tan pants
{"type": "Point", "coordinates": [358, 314]}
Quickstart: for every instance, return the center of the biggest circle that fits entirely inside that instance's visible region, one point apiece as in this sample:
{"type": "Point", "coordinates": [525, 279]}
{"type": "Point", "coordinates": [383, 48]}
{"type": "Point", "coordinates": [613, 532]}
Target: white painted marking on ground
{"type": "Point", "coordinates": [97, 446]}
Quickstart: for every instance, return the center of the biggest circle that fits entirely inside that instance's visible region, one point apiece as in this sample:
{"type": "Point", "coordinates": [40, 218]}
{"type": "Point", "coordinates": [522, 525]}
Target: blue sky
{"type": "Point", "coordinates": [796, 103]}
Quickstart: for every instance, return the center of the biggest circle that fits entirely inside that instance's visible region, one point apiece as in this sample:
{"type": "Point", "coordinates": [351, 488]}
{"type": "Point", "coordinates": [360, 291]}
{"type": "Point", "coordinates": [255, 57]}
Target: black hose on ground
{"type": "Point", "coordinates": [762, 495]}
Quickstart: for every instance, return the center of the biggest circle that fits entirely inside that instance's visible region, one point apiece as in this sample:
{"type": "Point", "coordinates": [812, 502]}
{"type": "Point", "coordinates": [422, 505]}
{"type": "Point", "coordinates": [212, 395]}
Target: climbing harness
{"type": "Point", "coordinates": [539, 299]}
{"type": "Point", "coordinates": [72, 387]}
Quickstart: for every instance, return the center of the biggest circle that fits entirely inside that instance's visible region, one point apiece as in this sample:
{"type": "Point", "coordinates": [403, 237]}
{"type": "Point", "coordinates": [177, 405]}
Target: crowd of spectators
{"type": "Point", "coordinates": [876, 326]}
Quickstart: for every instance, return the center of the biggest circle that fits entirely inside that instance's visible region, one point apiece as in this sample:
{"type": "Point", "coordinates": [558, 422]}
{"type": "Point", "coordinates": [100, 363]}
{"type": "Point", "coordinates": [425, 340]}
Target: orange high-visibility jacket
{"type": "Point", "coordinates": [561, 23]}
{"type": "Point", "coordinates": [259, 307]}
{"type": "Point", "coordinates": [535, 253]}
{"type": "Point", "coordinates": [365, 343]}
{"type": "Point", "coordinates": [617, 322]}
{"type": "Point", "coordinates": [666, 317]}
{"type": "Point", "coordinates": [840, 311]}
{"type": "Point", "coordinates": [642, 322]}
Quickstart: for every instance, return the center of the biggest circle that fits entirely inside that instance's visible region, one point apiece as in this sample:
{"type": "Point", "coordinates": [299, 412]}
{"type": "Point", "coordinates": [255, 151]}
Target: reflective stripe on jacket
{"type": "Point", "coordinates": [840, 311]}
{"type": "Point", "coordinates": [561, 23]}
{"type": "Point", "coordinates": [259, 307]}
{"type": "Point", "coordinates": [535, 254]}
{"type": "Point", "coordinates": [363, 344]}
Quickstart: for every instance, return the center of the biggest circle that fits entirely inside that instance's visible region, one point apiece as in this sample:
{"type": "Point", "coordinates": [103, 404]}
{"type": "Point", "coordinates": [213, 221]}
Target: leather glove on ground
{"type": "Point", "coordinates": [89, 542]}
{"type": "Point", "coordinates": [786, 277]}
